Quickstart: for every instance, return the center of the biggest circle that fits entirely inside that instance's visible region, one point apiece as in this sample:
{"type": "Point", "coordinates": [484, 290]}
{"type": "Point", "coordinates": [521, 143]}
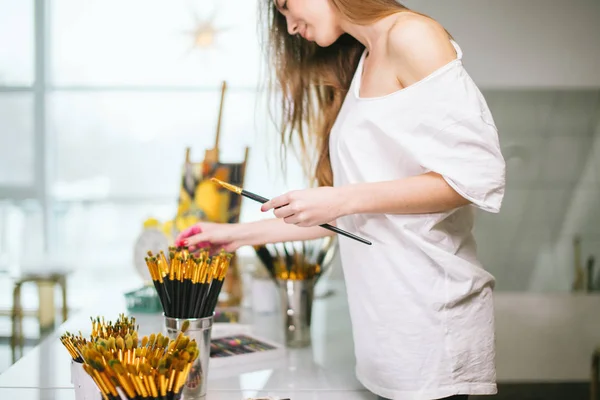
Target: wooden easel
{"type": "Point", "coordinates": [212, 155]}
{"type": "Point", "coordinates": [211, 161]}
{"type": "Point", "coordinates": [232, 284]}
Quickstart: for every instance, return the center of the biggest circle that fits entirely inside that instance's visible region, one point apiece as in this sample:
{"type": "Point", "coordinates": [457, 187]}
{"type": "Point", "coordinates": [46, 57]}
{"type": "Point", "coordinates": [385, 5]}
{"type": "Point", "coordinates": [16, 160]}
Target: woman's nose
{"type": "Point", "coordinates": [292, 26]}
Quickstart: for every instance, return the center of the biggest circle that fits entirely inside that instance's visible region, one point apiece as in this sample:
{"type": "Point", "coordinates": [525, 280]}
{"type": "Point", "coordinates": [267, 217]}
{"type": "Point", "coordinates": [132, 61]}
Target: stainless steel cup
{"type": "Point", "coordinates": [200, 329]}
{"type": "Point", "coordinates": [296, 308]}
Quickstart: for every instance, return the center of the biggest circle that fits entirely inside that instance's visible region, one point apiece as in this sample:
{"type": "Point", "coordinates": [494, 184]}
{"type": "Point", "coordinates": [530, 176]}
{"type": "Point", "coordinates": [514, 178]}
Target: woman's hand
{"type": "Point", "coordinates": [209, 235]}
{"type": "Point", "coordinates": [308, 207]}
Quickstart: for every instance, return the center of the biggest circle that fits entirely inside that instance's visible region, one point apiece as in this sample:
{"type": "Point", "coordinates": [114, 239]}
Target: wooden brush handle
{"type": "Point", "coordinates": [219, 120]}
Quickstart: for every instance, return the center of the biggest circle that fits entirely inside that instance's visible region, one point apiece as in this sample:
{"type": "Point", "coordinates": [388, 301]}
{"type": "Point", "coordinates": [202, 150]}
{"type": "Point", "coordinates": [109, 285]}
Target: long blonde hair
{"type": "Point", "coordinates": [314, 80]}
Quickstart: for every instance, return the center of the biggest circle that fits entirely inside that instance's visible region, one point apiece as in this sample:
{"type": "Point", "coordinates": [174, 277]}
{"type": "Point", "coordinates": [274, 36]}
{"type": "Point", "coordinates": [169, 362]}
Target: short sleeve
{"type": "Point", "coordinates": [467, 154]}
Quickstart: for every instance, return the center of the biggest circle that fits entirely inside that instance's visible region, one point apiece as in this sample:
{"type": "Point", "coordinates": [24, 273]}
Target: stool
{"type": "Point", "coordinates": [46, 281]}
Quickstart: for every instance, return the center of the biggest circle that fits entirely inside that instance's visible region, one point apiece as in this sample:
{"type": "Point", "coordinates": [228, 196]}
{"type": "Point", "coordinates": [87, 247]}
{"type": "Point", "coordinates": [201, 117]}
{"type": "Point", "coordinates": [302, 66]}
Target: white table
{"type": "Point", "coordinates": [69, 394]}
{"type": "Point", "coordinates": [323, 371]}
{"type": "Point", "coordinates": [539, 338]}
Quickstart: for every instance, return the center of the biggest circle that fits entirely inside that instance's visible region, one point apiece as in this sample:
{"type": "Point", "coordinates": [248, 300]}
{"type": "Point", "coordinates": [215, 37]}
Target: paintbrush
{"type": "Point", "coordinates": [123, 367]}
{"type": "Point", "coordinates": [305, 260]}
{"type": "Point", "coordinates": [267, 260]}
{"type": "Point", "coordinates": [188, 286]}
{"type": "Point", "coordinates": [263, 200]}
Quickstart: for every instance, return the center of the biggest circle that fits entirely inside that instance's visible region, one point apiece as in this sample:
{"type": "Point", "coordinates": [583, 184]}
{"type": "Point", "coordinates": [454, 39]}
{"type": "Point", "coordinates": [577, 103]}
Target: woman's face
{"type": "Point", "coordinates": [314, 20]}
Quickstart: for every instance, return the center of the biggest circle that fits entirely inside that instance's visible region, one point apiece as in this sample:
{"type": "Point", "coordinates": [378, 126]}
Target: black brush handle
{"type": "Point", "coordinates": [254, 197]}
{"type": "Point", "coordinates": [266, 258]}
{"type": "Point", "coordinates": [332, 228]}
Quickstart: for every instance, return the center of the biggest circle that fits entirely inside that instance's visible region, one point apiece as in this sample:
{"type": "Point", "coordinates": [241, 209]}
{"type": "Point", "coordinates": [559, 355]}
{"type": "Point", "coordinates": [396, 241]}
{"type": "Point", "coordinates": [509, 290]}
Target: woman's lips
{"type": "Point", "coordinates": [303, 33]}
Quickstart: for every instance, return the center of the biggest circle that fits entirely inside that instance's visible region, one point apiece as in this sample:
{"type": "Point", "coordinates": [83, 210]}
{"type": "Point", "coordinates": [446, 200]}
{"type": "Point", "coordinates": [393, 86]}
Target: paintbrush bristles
{"type": "Point", "coordinates": [294, 261]}
{"type": "Point", "coordinates": [153, 368]}
{"type": "Point", "coordinates": [188, 284]}
{"type": "Point", "coordinates": [228, 186]}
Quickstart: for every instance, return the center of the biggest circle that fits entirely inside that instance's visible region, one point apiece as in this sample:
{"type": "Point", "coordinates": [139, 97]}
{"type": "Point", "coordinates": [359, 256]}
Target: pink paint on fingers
{"type": "Point", "coordinates": [186, 233]}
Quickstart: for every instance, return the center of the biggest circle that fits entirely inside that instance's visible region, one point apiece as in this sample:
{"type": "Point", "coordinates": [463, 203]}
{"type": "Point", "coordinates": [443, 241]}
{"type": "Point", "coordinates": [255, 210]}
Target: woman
{"type": "Point", "coordinates": [407, 147]}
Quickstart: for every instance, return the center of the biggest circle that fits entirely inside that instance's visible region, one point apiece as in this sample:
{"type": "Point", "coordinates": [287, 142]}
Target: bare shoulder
{"type": "Point", "coordinates": [418, 46]}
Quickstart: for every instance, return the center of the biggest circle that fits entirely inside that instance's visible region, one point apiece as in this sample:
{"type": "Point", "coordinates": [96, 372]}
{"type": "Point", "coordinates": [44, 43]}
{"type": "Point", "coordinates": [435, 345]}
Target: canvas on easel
{"type": "Point", "coordinates": [200, 199]}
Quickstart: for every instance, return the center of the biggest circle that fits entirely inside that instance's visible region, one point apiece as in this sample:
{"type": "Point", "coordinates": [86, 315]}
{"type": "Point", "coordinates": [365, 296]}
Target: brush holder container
{"type": "Point", "coordinates": [296, 298]}
{"type": "Point", "coordinates": [200, 330]}
{"type": "Point", "coordinates": [85, 387]}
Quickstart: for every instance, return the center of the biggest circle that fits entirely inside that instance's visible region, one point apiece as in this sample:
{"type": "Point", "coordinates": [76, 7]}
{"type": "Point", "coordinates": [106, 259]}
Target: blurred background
{"type": "Point", "coordinates": [100, 98]}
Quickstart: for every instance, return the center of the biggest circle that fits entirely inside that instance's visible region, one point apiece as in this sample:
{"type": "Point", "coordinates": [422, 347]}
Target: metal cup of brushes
{"type": "Point", "coordinates": [123, 367]}
{"type": "Point", "coordinates": [188, 286]}
{"type": "Point", "coordinates": [296, 267]}
{"type": "Point", "coordinates": [122, 333]}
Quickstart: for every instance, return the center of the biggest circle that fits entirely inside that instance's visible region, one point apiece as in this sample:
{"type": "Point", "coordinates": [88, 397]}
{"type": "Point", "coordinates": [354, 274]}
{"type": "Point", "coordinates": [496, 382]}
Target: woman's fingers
{"type": "Point", "coordinates": [186, 233]}
{"type": "Point", "coordinates": [284, 212]}
{"type": "Point", "coordinates": [276, 202]}
{"type": "Point", "coordinates": [200, 240]}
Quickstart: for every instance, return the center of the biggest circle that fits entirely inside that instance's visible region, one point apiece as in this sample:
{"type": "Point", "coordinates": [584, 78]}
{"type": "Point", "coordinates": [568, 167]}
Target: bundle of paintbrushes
{"type": "Point", "coordinates": [125, 368]}
{"type": "Point", "coordinates": [188, 285]}
{"type": "Point", "coordinates": [297, 260]}
{"type": "Point", "coordinates": [123, 327]}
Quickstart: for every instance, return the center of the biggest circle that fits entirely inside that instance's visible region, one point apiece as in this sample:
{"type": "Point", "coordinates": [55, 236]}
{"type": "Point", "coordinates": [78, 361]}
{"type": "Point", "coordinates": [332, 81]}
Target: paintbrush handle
{"type": "Point", "coordinates": [254, 196]}
{"type": "Point", "coordinates": [332, 228]}
{"type": "Point", "coordinates": [344, 233]}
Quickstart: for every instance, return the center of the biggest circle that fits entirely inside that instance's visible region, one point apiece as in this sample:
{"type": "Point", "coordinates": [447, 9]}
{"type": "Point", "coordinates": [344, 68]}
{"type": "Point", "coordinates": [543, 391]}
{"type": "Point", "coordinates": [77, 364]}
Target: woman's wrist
{"type": "Point", "coordinates": [255, 233]}
{"type": "Point", "coordinates": [244, 233]}
{"type": "Point", "coordinates": [349, 198]}
{"type": "Point", "coordinates": [273, 231]}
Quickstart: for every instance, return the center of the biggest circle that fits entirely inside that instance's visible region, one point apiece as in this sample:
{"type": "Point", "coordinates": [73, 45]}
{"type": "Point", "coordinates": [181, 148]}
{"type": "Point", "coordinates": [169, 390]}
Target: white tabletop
{"type": "Point", "coordinates": [69, 394]}
{"type": "Point", "coordinates": [323, 370]}
{"type": "Point", "coordinates": [539, 338]}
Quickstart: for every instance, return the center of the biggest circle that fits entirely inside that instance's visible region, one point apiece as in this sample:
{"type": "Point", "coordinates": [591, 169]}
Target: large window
{"type": "Point", "coordinates": [17, 166]}
{"type": "Point", "coordinates": [16, 43]}
{"type": "Point", "coordinates": [98, 140]}
{"type": "Point", "coordinates": [17, 55]}
{"type": "Point", "coordinates": [20, 204]}
{"type": "Point", "coordinates": [99, 43]}
{"type": "Point", "coordinates": [130, 91]}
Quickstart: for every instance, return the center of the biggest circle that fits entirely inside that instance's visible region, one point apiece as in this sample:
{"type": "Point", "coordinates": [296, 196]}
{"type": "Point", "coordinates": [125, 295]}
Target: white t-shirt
{"type": "Point", "coordinates": [420, 302]}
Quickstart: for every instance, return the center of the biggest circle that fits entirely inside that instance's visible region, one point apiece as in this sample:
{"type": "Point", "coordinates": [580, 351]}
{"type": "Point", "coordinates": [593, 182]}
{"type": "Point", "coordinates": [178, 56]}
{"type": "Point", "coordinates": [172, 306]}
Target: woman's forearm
{"type": "Point", "coordinates": [276, 230]}
{"type": "Point", "coordinates": [422, 194]}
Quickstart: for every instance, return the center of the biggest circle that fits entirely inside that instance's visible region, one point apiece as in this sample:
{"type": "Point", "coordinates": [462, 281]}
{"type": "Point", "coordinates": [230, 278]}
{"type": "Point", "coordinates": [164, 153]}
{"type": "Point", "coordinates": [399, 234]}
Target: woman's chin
{"type": "Point", "coordinates": [323, 42]}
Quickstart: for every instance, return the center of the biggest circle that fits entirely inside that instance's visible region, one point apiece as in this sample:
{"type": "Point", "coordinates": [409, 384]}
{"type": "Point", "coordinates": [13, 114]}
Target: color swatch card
{"type": "Point", "coordinates": [244, 350]}
{"type": "Point", "coordinates": [237, 345]}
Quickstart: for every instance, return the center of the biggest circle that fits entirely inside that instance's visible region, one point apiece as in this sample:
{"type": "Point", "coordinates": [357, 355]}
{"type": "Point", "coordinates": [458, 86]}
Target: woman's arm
{"type": "Point", "coordinates": [426, 193]}
{"type": "Point", "coordinates": [230, 237]}
{"type": "Point", "coordinates": [421, 194]}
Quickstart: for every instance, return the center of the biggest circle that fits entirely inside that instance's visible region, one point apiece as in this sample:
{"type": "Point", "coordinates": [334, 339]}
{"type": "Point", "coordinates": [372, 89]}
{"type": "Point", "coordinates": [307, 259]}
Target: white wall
{"type": "Point", "coordinates": [545, 337]}
{"type": "Point", "coordinates": [524, 43]}
{"type": "Point", "coordinates": [554, 265]}
{"type": "Point", "coordinates": [547, 137]}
